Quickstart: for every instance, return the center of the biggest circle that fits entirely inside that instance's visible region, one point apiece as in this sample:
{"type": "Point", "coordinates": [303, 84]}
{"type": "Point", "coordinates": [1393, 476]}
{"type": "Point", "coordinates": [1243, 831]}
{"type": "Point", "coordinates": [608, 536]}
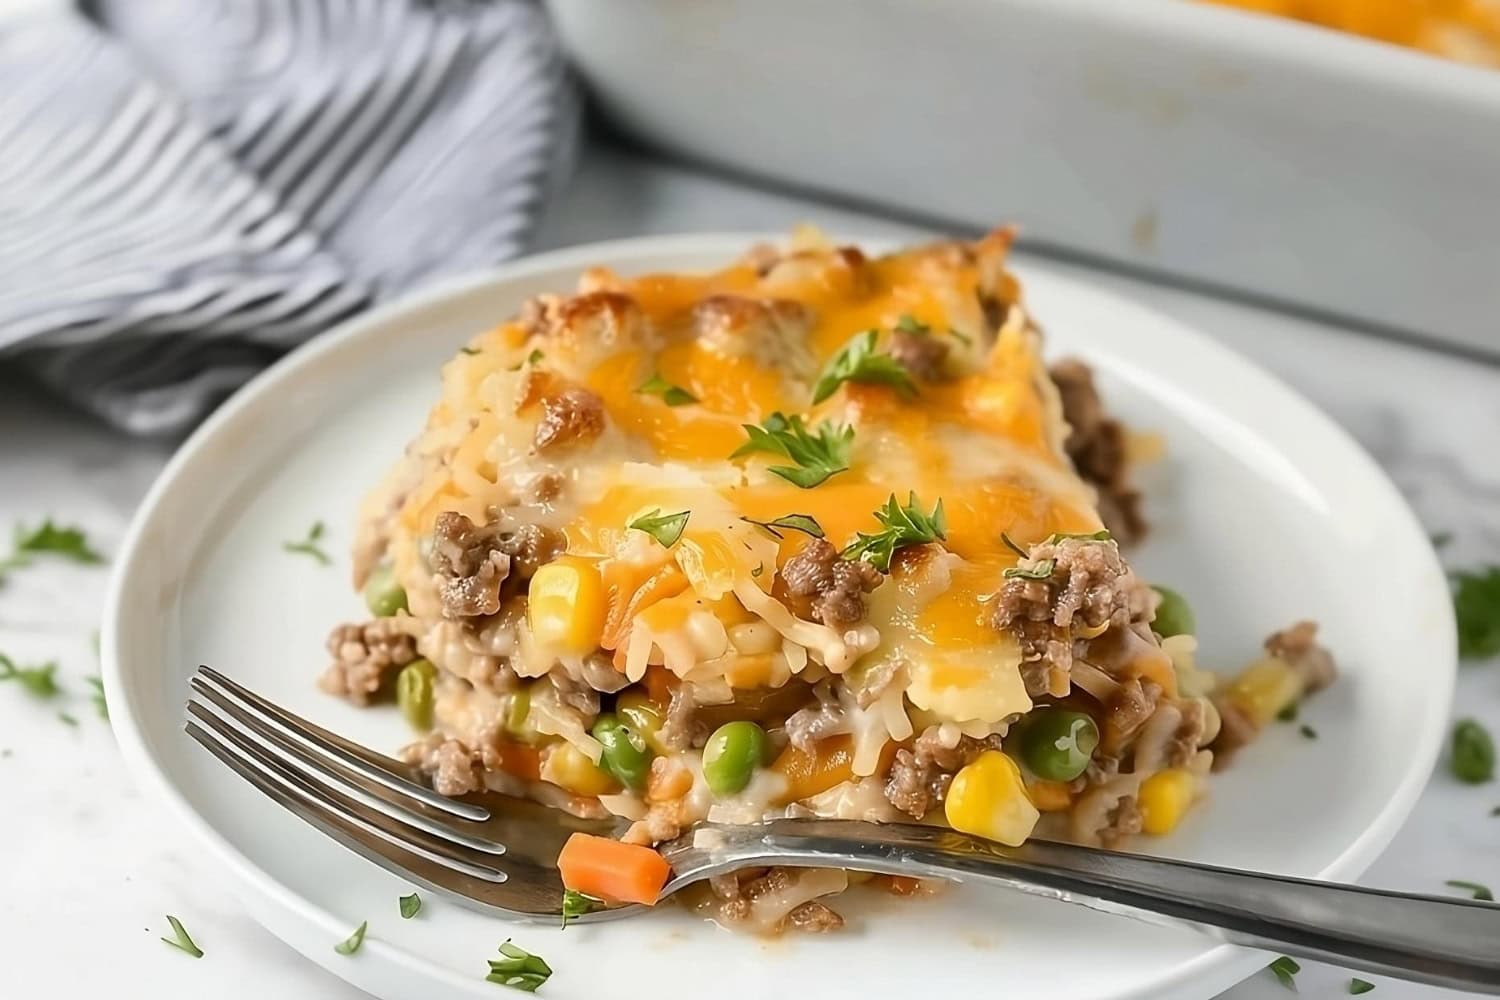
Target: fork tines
{"type": "Point", "coordinates": [370, 803]}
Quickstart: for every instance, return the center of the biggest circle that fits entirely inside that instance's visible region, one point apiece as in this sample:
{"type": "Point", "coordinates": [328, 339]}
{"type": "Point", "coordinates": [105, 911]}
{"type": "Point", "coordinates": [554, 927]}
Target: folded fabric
{"type": "Point", "coordinates": [191, 187]}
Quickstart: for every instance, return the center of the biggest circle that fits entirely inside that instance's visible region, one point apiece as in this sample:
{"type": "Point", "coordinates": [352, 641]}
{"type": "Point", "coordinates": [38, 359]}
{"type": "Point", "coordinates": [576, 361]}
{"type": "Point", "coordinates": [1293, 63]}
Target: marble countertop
{"type": "Point", "coordinates": [92, 866]}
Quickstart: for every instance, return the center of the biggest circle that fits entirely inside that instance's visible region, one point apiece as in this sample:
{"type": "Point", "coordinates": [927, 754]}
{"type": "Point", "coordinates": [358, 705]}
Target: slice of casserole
{"type": "Point", "coordinates": [798, 537]}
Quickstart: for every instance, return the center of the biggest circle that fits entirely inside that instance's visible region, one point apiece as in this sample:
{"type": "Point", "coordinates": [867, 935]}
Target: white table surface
{"type": "Point", "coordinates": [90, 866]}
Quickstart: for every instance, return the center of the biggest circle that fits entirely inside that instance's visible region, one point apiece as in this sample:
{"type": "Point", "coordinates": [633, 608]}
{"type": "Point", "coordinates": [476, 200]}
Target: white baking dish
{"type": "Point", "coordinates": [1260, 155]}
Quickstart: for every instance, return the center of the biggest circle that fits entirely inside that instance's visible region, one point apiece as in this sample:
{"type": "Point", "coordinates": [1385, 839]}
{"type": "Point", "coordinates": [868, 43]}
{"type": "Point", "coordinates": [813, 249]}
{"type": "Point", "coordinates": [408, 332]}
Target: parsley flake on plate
{"type": "Point", "coordinates": [665, 528]}
{"type": "Point", "coordinates": [100, 705]}
{"type": "Point", "coordinates": [1478, 891]}
{"type": "Point", "coordinates": [805, 523]}
{"type": "Point", "coordinates": [1285, 971]}
{"type": "Point", "coordinates": [180, 939]}
{"type": "Point", "coordinates": [1358, 986]}
{"type": "Point", "coordinates": [351, 944]}
{"type": "Point", "coordinates": [309, 546]}
{"type": "Point", "coordinates": [858, 361]}
{"type": "Point", "coordinates": [519, 969]}
{"type": "Point", "coordinates": [39, 681]}
{"type": "Point", "coordinates": [819, 454]}
{"type": "Point", "coordinates": [672, 395]}
{"type": "Point", "coordinates": [63, 541]}
{"type": "Point", "coordinates": [576, 904]}
{"type": "Point", "coordinates": [1476, 605]}
{"type": "Point", "coordinates": [900, 527]}
{"type": "Point", "coordinates": [410, 906]}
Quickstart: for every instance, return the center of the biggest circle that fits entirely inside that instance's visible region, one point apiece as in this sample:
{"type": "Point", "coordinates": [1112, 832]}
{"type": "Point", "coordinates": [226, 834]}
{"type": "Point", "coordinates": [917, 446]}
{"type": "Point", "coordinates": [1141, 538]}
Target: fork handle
{"type": "Point", "coordinates": [1446, 942]}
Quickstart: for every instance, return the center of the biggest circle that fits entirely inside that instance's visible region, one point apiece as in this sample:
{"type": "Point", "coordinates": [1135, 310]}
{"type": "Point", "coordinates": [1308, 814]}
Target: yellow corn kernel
{"type": "Point", "coordinates": [1264, 688]}
{"type": "Point", "coordinates": [1164, 799]}
{"type": "Point", "coordinates": [565, 605]}
{"type": "Point", "coordinates": [569, 767]}
{"type": "Point", "coordinates": [988, 799]}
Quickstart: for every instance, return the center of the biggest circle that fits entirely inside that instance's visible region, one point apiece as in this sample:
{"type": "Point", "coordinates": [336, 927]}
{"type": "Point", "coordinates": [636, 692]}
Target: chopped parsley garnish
{"type": "Point", "coordinates": [1473, 756]}
{"type": "Point", "coordinates": [180, 939]}
{"type": "Point", "coordinates": [908, 324]}
{"type": "Point", "coordinates": [665, 528]}
{"type": "Point", "coordinates": [1358, 986]}
{"type": "Point", "coordinates": [1044, 567]}
{"type": "Point", "coordinates": [351, 944]}
{"type": "Point", "coordinates": [1480, 892]}
{"type": "Point", "coordinates": [576, 904]}
{"type": "Point", "coordinates": [467, 350]}
{"type": "Point", "coordinates": [758, 570]}
{"type": "Point", "coordinates": [900, 527]}
{"type": "Point", "coordinates": [804, 523]}
{"type": "Point", "coordinates": [100, 705]}
{"type": "Point", "coordinates": [532, 360]}
{"type": "Point", "coordinates": [67, 720]}
{"type": "Point", "coordinates": [1285, 970]}
{"type": "Point", "coordinates": [1040, 571]}
{"type": "Point", "coordinates": [1308, 732]}
{"type": "Point", "coordinates": [1288, 714]}
{"type": "Point", "coordinates": [309, 546]}
{"type": "Point", "coordinates": [49, 539]}
{"type": "Point", "coordinates": [672, 395]}
{"type": "Point", "coordinates": [858, 361]}
{"type": "Point", "coordinates": [519, 969]}
{"type": "Point", "coordinates": [410, 906]}
{"type": "Point", "coordinates": [39, 682]}
{"type": "Point", "coordinates": [818, 455]}
{"type": "Point", "coordinates": [962, 338]}
{"type": "Point", "coordinates": [1476, 605]}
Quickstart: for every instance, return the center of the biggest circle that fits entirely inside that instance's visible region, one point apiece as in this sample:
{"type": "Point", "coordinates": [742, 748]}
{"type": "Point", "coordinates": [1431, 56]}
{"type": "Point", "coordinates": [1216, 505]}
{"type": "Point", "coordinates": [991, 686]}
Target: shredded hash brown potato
{"type": "Point", "coordinates": [630, 568]}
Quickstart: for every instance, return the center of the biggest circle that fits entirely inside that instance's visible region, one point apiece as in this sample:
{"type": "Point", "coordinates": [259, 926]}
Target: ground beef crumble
{"type": "Point", "coordinates": [569, 417]}
{"type": "Point", "coordinates": [920, 776]}
{"type": "Point", "coordinates": [366, 655]}
{"type": "Point", "coordinates": [741, 889]}
{"type": "Point", "coordinates": [1096, 444]}
{"type": "Point", "coordinates": [833, 588]}
{"type": "Point", "coordinates": [920, 353]}
{"type": "Point", "coordinates": [806, 726]}
{"type": "Point", "coordinates": [473, 562]}
{"type": "Point", "coordinates": [1088, 585]}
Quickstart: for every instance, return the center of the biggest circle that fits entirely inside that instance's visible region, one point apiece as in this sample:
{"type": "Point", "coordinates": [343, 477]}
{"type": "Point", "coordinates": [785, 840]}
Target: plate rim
{"type": "Point", "coordinates": [1220, 965]}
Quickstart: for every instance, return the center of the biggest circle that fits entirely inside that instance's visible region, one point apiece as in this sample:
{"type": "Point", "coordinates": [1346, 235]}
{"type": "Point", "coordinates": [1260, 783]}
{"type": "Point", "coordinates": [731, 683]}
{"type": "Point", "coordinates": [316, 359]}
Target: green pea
{"type": "Point", "coordinates": [383, 595]}
{"type": "Point", "coordinates": [626, 755]}
{"type": "Point", "coordinates": [414, 693]}
{"type": "Point", "coordinates": [1473, 757]}
{"type": "Point", "coordinates": [731, 756]}
{"type": "Point", "coordinates": [517, 715]}
{"type": "Point", "coordinates": [1173, 615]}
{"type": "Point", "coordinates": [1058, 744]}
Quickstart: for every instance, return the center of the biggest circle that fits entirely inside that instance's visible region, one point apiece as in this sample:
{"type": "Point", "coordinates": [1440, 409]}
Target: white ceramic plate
{"type": "Point", "coordinates": [1264, 512]}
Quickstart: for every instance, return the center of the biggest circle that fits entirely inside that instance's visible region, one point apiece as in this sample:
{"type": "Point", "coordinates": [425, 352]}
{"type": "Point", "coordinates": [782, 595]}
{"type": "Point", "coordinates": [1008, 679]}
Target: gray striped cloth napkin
{"type": "Point", "coordinates": [188, 188]}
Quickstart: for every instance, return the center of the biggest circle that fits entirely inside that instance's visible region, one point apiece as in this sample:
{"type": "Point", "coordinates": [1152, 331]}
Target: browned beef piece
{"type": "Point", "coordinates": [1096, 444]}
{"type": "Point", "coordinates": [1235, 731]}
{"type": "Point", "coordinates": [813, 917]}
{"type": "Point", "coordinates": [920, 353]}
{"type": "Point", "coordinates": [680, 726]}
{"type": "Point", "coordinates": [1299, 647]}
{"type": "Point", "coordinates": [569, 417]}
{"type": "Point", "coordinates": [833, 588]}
{"type": "Point", "coordinates": [920, 777]}
{"type": "Point", "coordinates": [1087, 584]}
{"type": "Point", "coordinates": [1184, 744]}
{"type": "Point", "coordinates": [1126, 713]}
{"type": "Point", "coordinates": [366, 655]}
{"type": "Point", "coordinates": [1123, 821]}
{"type": "Point", "coordinates": [453, 769]}
{"type": "Point", "coordinates": [474, 562]}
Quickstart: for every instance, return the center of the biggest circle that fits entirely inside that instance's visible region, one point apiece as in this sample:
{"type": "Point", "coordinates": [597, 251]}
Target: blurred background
{"type": "Point", "coordinates": [191, 188]}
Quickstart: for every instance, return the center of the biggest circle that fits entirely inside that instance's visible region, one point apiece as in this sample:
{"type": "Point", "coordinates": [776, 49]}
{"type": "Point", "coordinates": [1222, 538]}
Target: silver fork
{"type": "Point", "coordinates": [494, 852]}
